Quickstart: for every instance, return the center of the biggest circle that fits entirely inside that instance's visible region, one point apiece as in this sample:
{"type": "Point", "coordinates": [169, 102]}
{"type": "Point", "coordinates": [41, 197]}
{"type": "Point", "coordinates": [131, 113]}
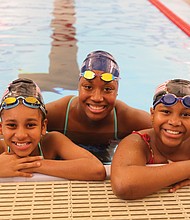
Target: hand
{"type": "Point", "coordinates": [12, 165]}
{"type": "Point", "coordinates": [179, 185]}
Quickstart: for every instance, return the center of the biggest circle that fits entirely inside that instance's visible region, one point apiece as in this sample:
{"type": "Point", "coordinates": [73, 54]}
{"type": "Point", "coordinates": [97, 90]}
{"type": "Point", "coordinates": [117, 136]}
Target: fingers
{"type": "Point", "coordinates": [23, 174]}
{"type": "Point", "coordinates": [26, 169]}
{"type": "Point", "coordinates": [30, 159]}
{"type": "Point", "coordinates": [29, 165]}
{"type": "Point", "coordinates": [179, 185]}
{"type": "Point", "coordinates": [12, 165]}
{"type": "Point", "coordinates": [172, 190]}
{"type": "Point", "coordinates": [24, 166]}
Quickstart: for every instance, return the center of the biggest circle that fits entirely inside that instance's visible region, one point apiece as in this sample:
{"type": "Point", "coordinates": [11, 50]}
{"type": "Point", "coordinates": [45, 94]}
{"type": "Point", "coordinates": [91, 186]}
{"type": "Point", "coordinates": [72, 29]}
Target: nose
{"type": "Point", "coordinates": [20, 133]}
{"type": "Point", "coordinates": [175, 120]}
{"type": "Point", "coordinates": [97, 95]}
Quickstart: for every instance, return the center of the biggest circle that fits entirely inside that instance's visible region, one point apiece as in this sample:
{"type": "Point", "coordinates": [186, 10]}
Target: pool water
{"type": "Point", "coordinates": [48, 40]}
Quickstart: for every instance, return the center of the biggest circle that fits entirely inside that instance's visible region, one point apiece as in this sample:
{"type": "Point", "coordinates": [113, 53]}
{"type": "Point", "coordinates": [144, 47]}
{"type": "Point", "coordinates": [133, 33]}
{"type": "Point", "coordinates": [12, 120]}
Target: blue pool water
{"type": "Point", "coordinates": [48, 40]}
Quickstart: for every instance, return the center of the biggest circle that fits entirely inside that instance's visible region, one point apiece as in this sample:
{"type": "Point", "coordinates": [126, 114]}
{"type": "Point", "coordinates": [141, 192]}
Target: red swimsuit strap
{"type": "Point", "coordinates": [146, 138]}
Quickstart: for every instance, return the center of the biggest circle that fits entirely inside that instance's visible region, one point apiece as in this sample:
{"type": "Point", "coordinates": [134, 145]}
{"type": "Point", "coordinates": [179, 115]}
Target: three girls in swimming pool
{"type": "Point", "coordinates": [97, 118]}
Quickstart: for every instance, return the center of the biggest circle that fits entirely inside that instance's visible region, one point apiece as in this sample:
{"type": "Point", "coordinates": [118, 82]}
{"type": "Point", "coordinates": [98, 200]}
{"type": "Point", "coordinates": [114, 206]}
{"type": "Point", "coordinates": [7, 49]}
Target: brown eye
{"type": "Point", "coordinates": [87, 87]}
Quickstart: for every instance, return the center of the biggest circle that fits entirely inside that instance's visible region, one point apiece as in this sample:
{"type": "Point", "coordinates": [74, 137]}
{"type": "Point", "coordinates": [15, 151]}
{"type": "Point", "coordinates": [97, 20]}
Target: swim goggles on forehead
{"type": "Point", "coordinates": [170, 99]}
{"type": "Point", "coordinates": [107, 77]}
{"type": "Point", "coordinates": [31, 102]}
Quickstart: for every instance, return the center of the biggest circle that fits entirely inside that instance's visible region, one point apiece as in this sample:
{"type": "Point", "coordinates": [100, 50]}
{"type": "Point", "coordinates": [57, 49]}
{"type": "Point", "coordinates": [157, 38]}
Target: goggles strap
{"type": "Point", "coordinates": [30, 102]}
{"type": "Point", "coordinates": [170, 99]}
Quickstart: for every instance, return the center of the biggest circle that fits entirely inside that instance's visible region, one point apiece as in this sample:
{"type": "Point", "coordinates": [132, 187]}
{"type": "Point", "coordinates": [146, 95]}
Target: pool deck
{"type": "Point", "coordinates": [45, 197]}
{"type": "Point", "coordinates": [86, 200]}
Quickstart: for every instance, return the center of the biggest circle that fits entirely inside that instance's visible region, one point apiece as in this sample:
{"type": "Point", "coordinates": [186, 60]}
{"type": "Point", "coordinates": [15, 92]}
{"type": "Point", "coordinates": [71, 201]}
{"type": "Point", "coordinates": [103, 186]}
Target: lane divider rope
{"type": "Point", "coordinates": [184, 26]}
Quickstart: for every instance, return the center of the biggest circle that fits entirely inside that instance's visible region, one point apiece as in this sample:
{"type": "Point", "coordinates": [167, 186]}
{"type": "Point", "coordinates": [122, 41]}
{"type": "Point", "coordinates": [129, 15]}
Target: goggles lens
{"type": "Point", "coordinates": [171, 99]}
{"type": "Point", "coordinates": [107, 77]}
{"type": "Point", "coordinates": [30, 102]}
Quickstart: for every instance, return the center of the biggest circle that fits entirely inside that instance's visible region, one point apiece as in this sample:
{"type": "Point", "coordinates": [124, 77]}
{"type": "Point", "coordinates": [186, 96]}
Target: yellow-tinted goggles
{"type": "Point", "coordinates": [107, 77]}
{"type": "Point", "coordinates": [31, 102]}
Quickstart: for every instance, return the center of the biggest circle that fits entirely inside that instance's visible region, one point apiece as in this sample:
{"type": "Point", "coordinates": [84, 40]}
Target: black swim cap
{"type": "Point", "coordinates": [100, 60]}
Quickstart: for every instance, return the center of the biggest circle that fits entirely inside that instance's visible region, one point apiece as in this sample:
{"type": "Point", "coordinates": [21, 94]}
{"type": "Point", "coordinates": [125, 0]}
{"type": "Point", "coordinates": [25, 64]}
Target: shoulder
{"type": "Point", "coordinates": [134, 144]}
{"type": "Point", "coordinates": [52, 136]}
{"type": "Point", "coordinates": [120, 104]}
{"type": "Point", "coordinates": [60, 102]}
{"type": "Point", "coordinates": [132, 118]}
{"type": "Point", "coordinates": [49, 144]}
{"type": "Point", "coordinates": [3, 146]}
{"type": "Point", "coordinates": [56, 112]}
{"type": "Point", "coordinates": [123, 107]}
{"type": "Point", "coordinates": [138, 136]}
{"type": "Point", "coordinates": [55, 139]}
{"type": "Point", "coordinates": [145, 135]}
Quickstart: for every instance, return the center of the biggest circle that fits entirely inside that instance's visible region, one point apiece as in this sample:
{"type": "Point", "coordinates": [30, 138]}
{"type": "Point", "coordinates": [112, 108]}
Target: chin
{"type": "Point", "coordinates": [96, 117]}
{"type": "Point", "coordinates": [23, 154]}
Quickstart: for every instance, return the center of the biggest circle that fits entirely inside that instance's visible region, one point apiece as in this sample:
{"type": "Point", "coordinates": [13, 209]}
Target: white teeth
{"type": "Point", "coordinates": [173, 132]}
{"type": "Point", "coordinates": [21, 144]}
{"type": "Point", "coordinates": [96, 107]}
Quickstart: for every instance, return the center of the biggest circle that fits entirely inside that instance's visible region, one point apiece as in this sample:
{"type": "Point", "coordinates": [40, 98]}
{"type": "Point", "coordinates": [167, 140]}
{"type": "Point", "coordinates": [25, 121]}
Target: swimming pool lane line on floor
{"type": "Point", "coordinates": [184, 26]}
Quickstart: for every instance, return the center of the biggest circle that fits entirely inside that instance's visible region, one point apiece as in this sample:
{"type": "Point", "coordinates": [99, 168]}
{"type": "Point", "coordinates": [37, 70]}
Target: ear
{"type": "Point", "coordinates": [44, 126]}
{"type": "Point", "coordinates": [152, 113]}
{"type": "Point", "coordinates": [1, 132]}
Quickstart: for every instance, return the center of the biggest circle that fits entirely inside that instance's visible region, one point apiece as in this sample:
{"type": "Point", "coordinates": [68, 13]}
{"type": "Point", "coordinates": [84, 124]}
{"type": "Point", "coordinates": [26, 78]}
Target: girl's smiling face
{"type": "Point", "coordinates": [171, 123]}
{"type": "Point", "coordinates": [96, 97]}
{"type": "Point", "coordinates": [22, 128]}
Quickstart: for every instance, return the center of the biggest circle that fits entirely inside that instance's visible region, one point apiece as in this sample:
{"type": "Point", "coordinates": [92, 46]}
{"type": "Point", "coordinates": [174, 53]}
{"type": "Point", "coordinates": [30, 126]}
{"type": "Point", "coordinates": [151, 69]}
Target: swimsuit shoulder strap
{"type": "Point", "coordinates": [67, 115]}
{"type": "Point", "coordinates": [40, 149]}
{"type": "Point", "coordinates": [115, 124]}
{"type": "Point", "coordinates": [146, 138]}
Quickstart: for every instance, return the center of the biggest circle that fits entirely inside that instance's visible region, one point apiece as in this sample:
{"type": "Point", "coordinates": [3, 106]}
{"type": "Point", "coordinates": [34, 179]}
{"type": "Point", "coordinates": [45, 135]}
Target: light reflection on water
{"type": "Point", "coordinates": [50, 39]}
